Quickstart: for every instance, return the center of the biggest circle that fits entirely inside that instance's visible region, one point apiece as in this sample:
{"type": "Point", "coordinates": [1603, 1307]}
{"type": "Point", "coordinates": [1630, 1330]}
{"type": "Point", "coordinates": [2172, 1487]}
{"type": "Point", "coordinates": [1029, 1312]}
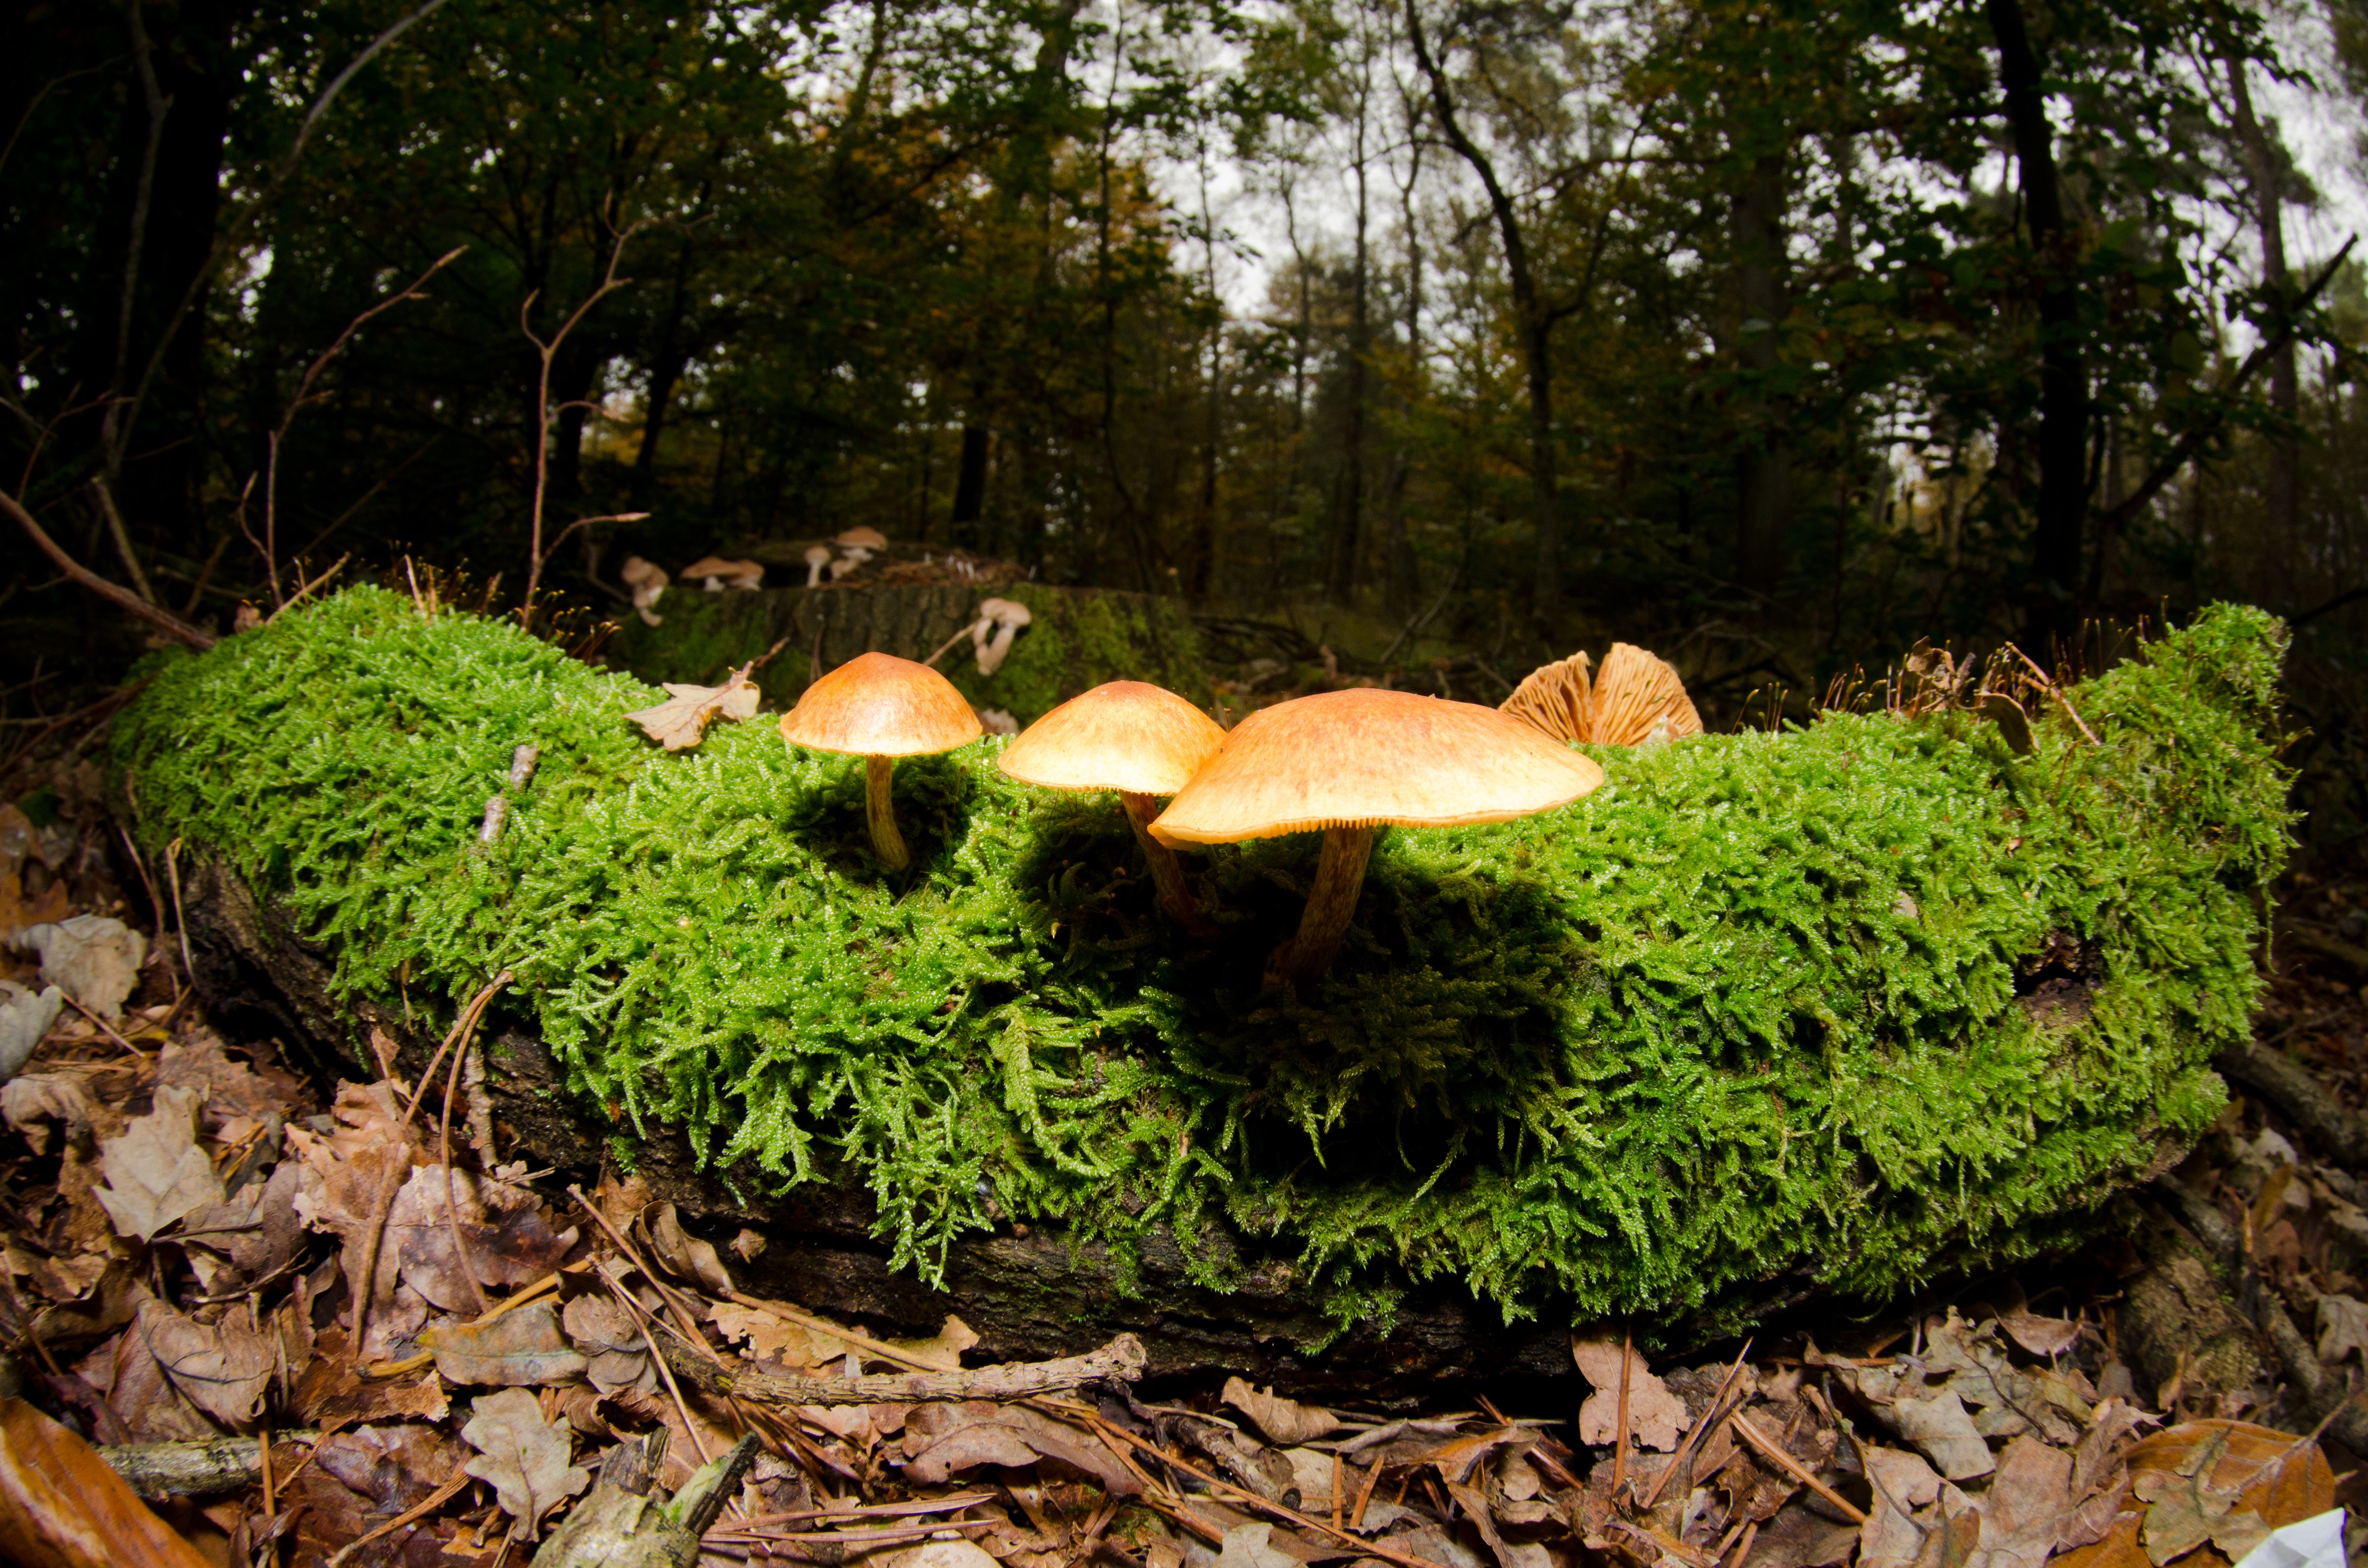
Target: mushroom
{"type": "Point", "coordinates": [648, 580]}
{"type": "Point", "coordinates": [1556, 698]}
{"type": "Point", "coordinates": [853, 556]}
{"type": "Point", "coordinates": [862, 539]}
{"type": "Point", "coordinates": [1347, 762]}
{"type": "Point", "coordinates": [880, 708]}
{"type": "Point", "coordinates": [1632, 692]}
{"type": "Point", "coordinates": [1004, 617]}
{"type": "Point", "coordinates": [716, 573]}
{"type": "Point", "coordinates": [817, 557]}
{"type": "Point", "coordinates": [1138, 739]}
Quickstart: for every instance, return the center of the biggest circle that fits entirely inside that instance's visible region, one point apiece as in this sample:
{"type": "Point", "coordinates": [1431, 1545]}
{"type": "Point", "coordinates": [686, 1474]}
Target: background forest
{"type": "Point", "coordinates": [1451, 334]}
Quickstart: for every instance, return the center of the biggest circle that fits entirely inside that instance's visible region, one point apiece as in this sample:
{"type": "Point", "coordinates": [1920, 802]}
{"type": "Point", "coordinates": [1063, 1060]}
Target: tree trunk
{"type": "Point", "coordinates": [1535, 329]}
{"type": "Point", "coordinates": [970, 487]}
{"type": "Point", "coordinates": [2265, 166]}
{"type": "Point", "coordinates": [2063, 379]}
{"type": "Point", "coordinates": [1349, 488]}
{"type": "Point", "coordinates": [1764, 471]}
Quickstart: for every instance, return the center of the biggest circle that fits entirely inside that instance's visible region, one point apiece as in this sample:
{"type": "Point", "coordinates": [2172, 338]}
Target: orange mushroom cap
{"type": "Point", "coordinates": [879, 705]}
{"type": "Point", "coordinates": [1127, 735]}
{"type": "Point", "coordinates": [1364, 758]}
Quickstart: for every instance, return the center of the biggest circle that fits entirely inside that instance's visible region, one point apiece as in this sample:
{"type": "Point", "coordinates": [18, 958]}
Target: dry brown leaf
{"type": "Point", "coordinates": [1798, 1536]}
{"type": "Point", "coordinates": [254, 1231]}
{"type": "Point", "coordinates": [330, 1391]}
{"type": "Point", "coordinates": [942, 1438]}
{"type": "Point", "coordinates": [521, 1348]}
{"type": "Point", "coordinates": [396, 1465]}
{"type": "Point", "coordinates": [1656, 1418]}
{"type": "Point", "coordinates": [942, 1349]}
{"type": "Point", "coordinates": [223, 1368]}
{"type": "Point", "coordinates": [155, 1172]}
{"type": "Point", "coordinates": [2269, 1473]}
{"type": "Point", "coordinates": [522, 1456]}
{"type": "Point", "coordinates": [681, 1253]}
{"type": "Point", "coordinates": [65, 1278]}
{"type": "Point", "coordinates": [94, 959]}
{"type": "Point", "coordinates": [617, 1355]}
{"type": "Point", "coordinates": [508, 1232]}
{"type": "Point", "coordinates": [1282, 1421]}
{"type": "Point", "coordinates": [32, 1101]}
{"type": "Point", "coordinates": [2041, 1337]}
{"type": "Point", "coordinates": [343, 1172]}
{"type": "Point", "coordinates": [770, 1338]}
{"type": "Point", "coordinates": [2025, 1508]}
{"type": "Point", "coordinates": [62, 1507]}
{"type": "Point", "coordinates": [1901, 1482]}
{"type": "Point", "coordinates": [680, 721]}
{"type": "Point", "coordinates": [145, 1403]}
{"type": "Point", "coordinates": [233, 1088]}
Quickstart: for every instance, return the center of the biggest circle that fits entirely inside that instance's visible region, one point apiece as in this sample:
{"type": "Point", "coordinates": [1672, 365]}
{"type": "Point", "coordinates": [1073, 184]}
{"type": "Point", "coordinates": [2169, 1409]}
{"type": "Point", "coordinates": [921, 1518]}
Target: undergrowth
{"type": "Point", "coordinates": [1763, 1002]}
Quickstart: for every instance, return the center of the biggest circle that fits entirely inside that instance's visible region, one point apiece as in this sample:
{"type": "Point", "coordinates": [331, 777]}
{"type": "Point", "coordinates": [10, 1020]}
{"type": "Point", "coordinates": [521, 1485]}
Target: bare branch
{"type": "Point", "coordinates": [164, 620]}
{"type": "Point", "coordinates": [548, 351]}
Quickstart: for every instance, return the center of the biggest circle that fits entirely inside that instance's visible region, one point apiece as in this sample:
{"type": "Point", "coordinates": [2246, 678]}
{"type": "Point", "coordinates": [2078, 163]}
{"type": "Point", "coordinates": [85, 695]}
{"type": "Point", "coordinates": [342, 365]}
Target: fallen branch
{"type": "Point", "coordinates": [210, 1468]}
{"type": "Point", "coordinates": [1121, 1360]}
{"type": "Point", "coordinates": [2277, 1078]}
{"type": "Point", "coordinates": [163, 619]}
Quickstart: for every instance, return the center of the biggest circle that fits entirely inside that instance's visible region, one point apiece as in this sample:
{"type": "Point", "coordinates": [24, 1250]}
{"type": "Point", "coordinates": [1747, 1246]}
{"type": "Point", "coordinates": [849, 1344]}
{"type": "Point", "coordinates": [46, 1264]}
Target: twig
{"type": "Point", "coordinates": [463, 1027]}
{"type": "Point", "coordinates": [1121, 1360]}
{"type": "Point", "coordinates": [1620, 1439]}
{"type": "Point", "coordinates": [163, 619]}
{"type": "Point", "coordinates": [305, 590]}
{"type": "Point", "coordinates": [451, 1204]}
{"type": "Point", "coordinates": [650, 1338]}
{"type": "Point", "coordinates": [122, 536]}
{"type": "Point", "coordinates": [2047, 684]}
{"type": "Point", "coordinates": [534, 1292]}
{"type": "Point", "coordinates": [609, 283]}
{"type": "Point", "coordinates": [180, 920]}
{"type": "Point", "coordinates": [104, 1026]}
{"type": "Point", "coordinates": [1794, 1468]}
{"type": "Point", "coordinates": [1710, 1418]}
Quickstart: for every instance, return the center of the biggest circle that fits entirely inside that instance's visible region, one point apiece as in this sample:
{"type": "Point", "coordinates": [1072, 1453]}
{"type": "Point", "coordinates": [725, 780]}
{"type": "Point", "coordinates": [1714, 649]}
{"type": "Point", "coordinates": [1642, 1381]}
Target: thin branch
{"type": "Point", "coordinates": [164, 621]}
{"type": "Point", "coordinates": [122, 535]}
{"type": "Point", "coordinates": [113, 441]}
{"type": "Point", "coordinates": [548, 351]}
{"type": "Point", "coordinates": [561, 537]}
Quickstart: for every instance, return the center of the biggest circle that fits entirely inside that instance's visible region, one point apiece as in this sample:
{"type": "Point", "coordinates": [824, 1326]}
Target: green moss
{"type": "Point", "coordinates": [1753, 1006]}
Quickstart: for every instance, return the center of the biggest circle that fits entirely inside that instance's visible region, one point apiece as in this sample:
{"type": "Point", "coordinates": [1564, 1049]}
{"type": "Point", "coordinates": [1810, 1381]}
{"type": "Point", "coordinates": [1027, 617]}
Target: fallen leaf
{"type": "Point", "coordinates": [2343, 1326]}
{"type": "Point", "coordinates": [330, 1391]}
{"type": "Point", "coordinates": [396, 1465]}
{"type": "Point", "coordinates": [522, 1347]}
{"type": "Point", "coordinates": [223, 1368]}
{"type": "Point", "coordinates": [2025, 1508]}
{"type": "Point", "coordinates": [2186, 1508]}
{"type": "Point", "coordinates": [1800, 1538]}
{"type": "Point", "coordinates": [507, 1231]}
{"type": "Point", "coordinates": [155, 1172]}
{"type": "Point", "coordinates": [144, 1402]}
{"type": "Point", "coordinates": [616, 1353]}
{"type": "Point", "coordinates": [1901, 1482]}
{"type": "Point", "coordinates": [67, 1279]}
{"type": "Point", "coordinates": [942, 1438]}
{"type": "Point", "coordinates": [523, 1457]}
{"type": "Point", "coordinates": [746, 1245]}
{"type": "Point", "coordinates": [1250, 1546]}
{"type": "Point", "coordinates": [942, 1349]}
{"type": "Point", "coordinates": [32, 1101]}
{"type": "Point", "coordinates": [2041, 1337]}
{"type": "Point", "coordinates": [25, 1017]}
{"type": "Point", "coordinates": [680, 721]}
{"type": "Point", "coordinates": [233, 1088]}
{"type": "Point", "coordinates": [62, 1507]}
{"type": "Point", "coordinates": [94, 959]}
{"type": "Point", "coordinates": [681, 1253]}
{"type": "Point", "coordinates": [343, 1172]}
{"type": "Point", "coordinates": [1940, 1428]}
{"type": "Point", "coordinates": [1656, 1416]}
{"type": "Point", "coordinates": [1283, 1420]}
{"type": "Point", "coordinates": [252, 1232]}
{"type": "Point", "coordinates": [770, 1338]}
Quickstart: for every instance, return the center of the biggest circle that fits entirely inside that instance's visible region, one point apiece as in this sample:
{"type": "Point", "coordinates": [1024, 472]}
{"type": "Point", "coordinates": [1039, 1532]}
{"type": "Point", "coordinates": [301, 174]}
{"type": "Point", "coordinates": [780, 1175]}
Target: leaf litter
{"type": "Point", "coordinates": [186, 1220]}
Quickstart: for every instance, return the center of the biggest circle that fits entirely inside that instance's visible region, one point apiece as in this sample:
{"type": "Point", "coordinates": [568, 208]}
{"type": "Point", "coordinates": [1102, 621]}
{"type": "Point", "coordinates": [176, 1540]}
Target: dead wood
{"type": "Point", "coordinates": [1121, 1360]}
{"type": "Point", "coordinates": [2278, 1079]}
{"type": "Point", "coordinates": [156, 1471]}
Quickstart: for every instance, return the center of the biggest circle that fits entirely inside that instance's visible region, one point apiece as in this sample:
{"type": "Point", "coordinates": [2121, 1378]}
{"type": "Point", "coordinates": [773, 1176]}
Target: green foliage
{"type": "Point", "coordinates": [1757, 1005]}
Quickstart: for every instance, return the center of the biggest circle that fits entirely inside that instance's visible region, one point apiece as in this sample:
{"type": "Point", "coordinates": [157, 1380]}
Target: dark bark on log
{"type": "Point", "coordinates": [211, 1469]}
{"type": "Point", "coordinates": [2275, 1076]}
{"type": "Point", "coordinates": [1027, 1290]}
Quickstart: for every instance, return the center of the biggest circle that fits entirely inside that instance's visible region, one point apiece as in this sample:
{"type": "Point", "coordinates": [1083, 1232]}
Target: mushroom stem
{"type": "Point", "coordinates": [886, 842]}
{"type": "Point", "coordinates": [1167, 871]}
{"type": "Point", "coordinates": [1340, 875]}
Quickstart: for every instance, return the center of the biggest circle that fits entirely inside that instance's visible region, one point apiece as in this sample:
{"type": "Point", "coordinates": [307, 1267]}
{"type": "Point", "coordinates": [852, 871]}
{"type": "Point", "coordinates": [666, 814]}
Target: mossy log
{"type": "Point", "coordinates": [1839, 1010]}
{"type": "Point", "coordinates": [1079, 638]}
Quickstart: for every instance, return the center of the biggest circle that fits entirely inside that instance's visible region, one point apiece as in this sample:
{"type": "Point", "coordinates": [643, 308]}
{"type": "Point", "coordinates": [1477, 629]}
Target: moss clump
{"type": "Point", "coordinates": [1765, 1001]}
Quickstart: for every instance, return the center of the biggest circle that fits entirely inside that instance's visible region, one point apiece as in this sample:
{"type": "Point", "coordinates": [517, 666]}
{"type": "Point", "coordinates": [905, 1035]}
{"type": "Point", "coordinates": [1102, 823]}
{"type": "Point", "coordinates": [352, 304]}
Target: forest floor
{"type": "Point", "coordinates": [184, 1218]}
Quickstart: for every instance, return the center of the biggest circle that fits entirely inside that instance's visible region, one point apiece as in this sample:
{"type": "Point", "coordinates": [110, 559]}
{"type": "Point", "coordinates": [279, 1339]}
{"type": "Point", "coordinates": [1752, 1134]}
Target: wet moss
{"type": "Point", "coordinates": [1764, 1003]}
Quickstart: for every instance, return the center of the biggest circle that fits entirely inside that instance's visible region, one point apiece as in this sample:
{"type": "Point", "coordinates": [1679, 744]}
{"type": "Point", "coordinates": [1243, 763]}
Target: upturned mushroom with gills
{"type": "Point", "coordinates": [880, 708]}
{"type": "Point", "coordinates": [1344, 763]}
{"type": "Point", "coordinates": [1142, 741]}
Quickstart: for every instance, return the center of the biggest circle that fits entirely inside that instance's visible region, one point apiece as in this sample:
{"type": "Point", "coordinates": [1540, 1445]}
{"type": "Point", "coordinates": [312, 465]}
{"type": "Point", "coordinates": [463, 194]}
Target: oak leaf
{"type": "Point", "coordinates": [1283, 1420]}
{"type": "Point", "coordinates": [680, 721]}
{"type": "Point", "coordinates": [1656, 1416]}
{"type": "Point", "coordinates": [221, 1367]}
{"type": "Point", "coordinates": [155, 1172]}
{"type": "Point", "coordinates": [522, 1348]}
{"type": "Point", "coordinates": [522, 1456]}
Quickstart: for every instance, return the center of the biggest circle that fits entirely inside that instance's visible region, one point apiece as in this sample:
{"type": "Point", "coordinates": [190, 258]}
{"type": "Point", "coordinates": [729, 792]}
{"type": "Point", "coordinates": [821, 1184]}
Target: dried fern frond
{"type": "Point", "coordinates": [1556, 698]}
{"type": "Point", "coordinates": [1633, 693]}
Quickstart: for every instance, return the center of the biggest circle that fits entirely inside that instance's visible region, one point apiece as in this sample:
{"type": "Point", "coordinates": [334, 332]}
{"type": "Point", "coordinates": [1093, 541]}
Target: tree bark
{"type": "Point", "coordinates": [2265, 166]}
{"type": "Point", "coordinates": [970, 487]}
{"type": "Point", "coordinates": [1534, 329]}
{"type": "Point", "coordinates": [2063, 376]}
{"type": "Point", "coordinates": [1764, 471]}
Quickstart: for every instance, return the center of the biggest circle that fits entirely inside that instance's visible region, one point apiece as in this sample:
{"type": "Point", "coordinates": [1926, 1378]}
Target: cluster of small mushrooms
{"type": "Point", "coordinates": [1341, 762]}
{"type": "Point", "coordinates": [648, 581]}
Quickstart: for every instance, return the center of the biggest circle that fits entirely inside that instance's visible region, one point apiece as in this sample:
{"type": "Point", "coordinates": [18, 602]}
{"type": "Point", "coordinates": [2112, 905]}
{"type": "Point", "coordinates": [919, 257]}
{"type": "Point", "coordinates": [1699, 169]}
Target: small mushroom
{"type": "Point", "coordinates": [1140, 740]}
{"type": "Point", "coordinates": [1004, 617]}
{"type": "Point", "coordinates": [853, 556]}
{"type": "Point", "coordinates": [997, 722]}
{"type": "Point", "coordinates": [1347, 762]}
{"type": "Point", "coordinates": [817, 557]}
{"type": "Point", "coordinates": [862, 539]}
{"type": "Point", "coordinates": [880, 708]}
{"type": "Point", "coordinates": [648, 580]}
{"type": "Point", "coordinates": [1557, 698]}
{"type": "Point", "coordinates": [714, 574]}
{"type": "Point", "coordinates": [1634, 690]}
